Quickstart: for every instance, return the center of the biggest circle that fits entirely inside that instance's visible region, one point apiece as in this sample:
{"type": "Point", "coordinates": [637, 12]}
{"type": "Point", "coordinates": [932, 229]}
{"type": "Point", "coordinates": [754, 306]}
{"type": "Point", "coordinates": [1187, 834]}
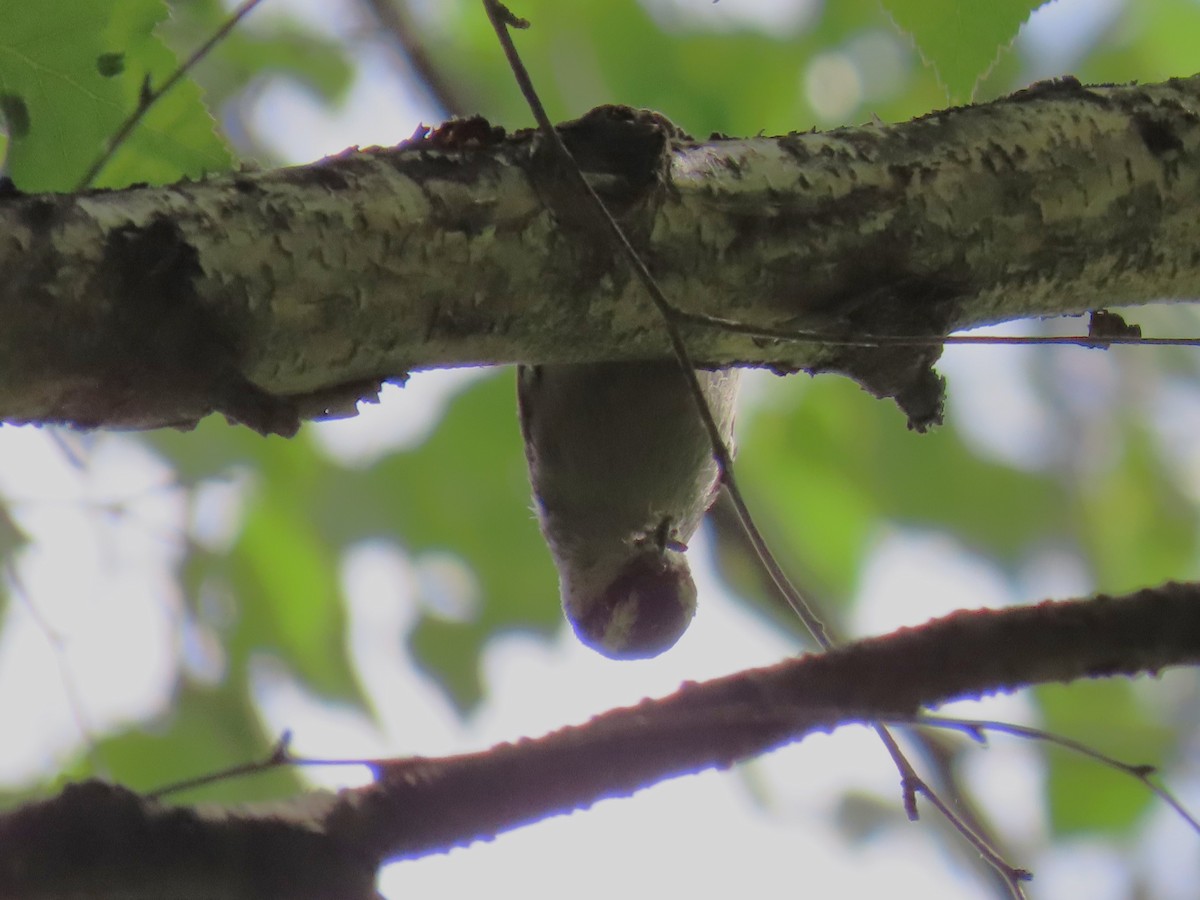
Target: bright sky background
{"type": "Point", "coordinates": [766, 830]}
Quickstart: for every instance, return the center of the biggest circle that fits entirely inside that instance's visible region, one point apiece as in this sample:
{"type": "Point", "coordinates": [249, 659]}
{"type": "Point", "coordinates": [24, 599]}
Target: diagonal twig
{"type": "Point", "coordinates": [502, 19]}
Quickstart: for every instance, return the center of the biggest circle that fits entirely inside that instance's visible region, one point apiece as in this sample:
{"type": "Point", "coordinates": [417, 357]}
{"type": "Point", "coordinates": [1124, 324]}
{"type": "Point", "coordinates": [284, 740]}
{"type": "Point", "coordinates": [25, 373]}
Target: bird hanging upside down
{"type": "Point", "coordinates": [622, 473]}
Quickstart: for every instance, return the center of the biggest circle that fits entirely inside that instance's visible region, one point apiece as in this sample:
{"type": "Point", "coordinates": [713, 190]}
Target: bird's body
{"type": "Point", "coordinates": [622, 473]}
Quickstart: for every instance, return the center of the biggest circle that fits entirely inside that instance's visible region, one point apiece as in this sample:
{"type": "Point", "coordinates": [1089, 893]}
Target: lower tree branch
{"type": "Point", "coordinates": [325, 847]}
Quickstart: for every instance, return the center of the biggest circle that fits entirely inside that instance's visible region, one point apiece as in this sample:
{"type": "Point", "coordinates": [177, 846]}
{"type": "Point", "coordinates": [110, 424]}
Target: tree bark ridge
{"type": "Point", "coordinates": [289, 293]}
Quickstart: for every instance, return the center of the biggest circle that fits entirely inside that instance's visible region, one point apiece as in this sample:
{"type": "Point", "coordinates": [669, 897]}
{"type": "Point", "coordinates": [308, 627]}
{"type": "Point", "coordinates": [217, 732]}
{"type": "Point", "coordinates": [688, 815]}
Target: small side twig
{"type": "Point", "coordinates": [833, 339]}
{"type": "Point", "coordinates": [280, 755]}
{"type": "Point", "coordinates": [1142, 772]}
{"type": "Point", "coordinates": [58, 650]}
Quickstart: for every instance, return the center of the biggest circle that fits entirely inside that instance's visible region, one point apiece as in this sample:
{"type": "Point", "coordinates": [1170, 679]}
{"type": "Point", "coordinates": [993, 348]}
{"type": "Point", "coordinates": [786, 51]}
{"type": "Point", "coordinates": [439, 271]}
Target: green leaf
{"type": "Point", "coordinates": [694, 75]}
{"type": "Point", "coordinates": [1138, 525]}
{"type": "Point", "coordinates": [826, 465]}
{"type": "Point", "coordinates": [177, 138]}
{"type": "Point", "coordinates": [71, 71]}
{"type": "Point", "coordinates": [1108, 716]}
{"type": "Point", "coordinates": [284, 575]}
{"type": "Point", "coordinates": [961, 41]}
{"type": "Point", "coordinates": [282, 569]}
{"type": "Point", "coordinates": [465, 492]}
{"type": "Point", "coordinates": [1151, 41]}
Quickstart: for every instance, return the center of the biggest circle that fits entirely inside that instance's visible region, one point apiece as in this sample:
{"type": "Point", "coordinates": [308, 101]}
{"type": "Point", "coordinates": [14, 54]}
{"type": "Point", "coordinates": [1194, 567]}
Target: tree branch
{"type": "Point", "coordinates": [303, 288]}
{"type": "Point", "coordinates": [324, 847]}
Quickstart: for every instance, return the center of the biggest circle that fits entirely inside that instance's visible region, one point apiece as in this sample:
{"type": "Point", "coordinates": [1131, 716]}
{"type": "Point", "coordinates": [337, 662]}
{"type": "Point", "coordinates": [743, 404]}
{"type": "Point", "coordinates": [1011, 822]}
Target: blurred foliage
{"type": "Point", "coordinates": [959, 42]}
{"type": "Point", "coordinates": [1109, 716]}
{"type": "Point", "coordinates": [737, 80]}
{"type": "Point", "coordinates": [463, 491]}
{"type": "Point", "coordinates": [832, 465]}
{"type": "Point", "coordinates": [12, 540]}
{"type": "Point", "coordinates": [71, 71]}
{"type": "Point", "coordinates": [826, 468]}
{"type": "Point", "coordinates": [268, 43]}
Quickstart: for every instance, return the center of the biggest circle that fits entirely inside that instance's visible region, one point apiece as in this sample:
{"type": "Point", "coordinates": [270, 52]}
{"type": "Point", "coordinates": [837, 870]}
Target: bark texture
{"type": "Point", "coordinates": [276, 295]}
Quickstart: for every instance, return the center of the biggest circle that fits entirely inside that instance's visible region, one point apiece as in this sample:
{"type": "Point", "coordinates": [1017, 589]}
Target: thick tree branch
{"type": "Point", "coordinates": [276, 295]}
{"type": "Point", "coordinates": [324, 847]}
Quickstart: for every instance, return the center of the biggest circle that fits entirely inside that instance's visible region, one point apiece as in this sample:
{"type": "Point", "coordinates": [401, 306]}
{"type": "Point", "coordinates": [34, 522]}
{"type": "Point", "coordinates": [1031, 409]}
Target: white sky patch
{"type": "Point", "coordinates": [216, 510]}
{"type": "Point", "coordinates": [1007, 774]}
{"type": "Point", "coordinates": [833, 85]}
{"type": "Point", "coordinates": [883, 62]}
{"type": "Point", "coordinates": [448, 588]}
{"type": "Point", "coordinates": [1053, 573]}
{"type": "Point", "coordinates": [993, 402]}
{"type": "Point", "coordinates": [1060, 32]}
{"type": "Point", "coordinates": [402, 419]}
{"type": "Point", "coordinates": [299, 128]}
{"type": "Point", "coordinates": [382, 108]}
{"type": "Point", "coordinates": [770, 16]}
{"type": "Point", "coordinates": [912, 577]}
{"type": "Point", "coordinates": [413, 713]}
{"type": "Point", "coordinates": [92, 617]}
{"type": "Point", "coordinates": [1167, 855]}
{"type": "Point", "coordinates": [1083, 868]}
{"type": "Point", "coordinates": [670, 846]}
{"type": "Point", "coordinates": [1174, 406]}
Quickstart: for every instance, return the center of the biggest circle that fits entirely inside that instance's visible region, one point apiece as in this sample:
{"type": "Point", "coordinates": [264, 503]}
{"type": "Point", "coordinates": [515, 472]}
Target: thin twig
{"type": "Point", "coordinates": [280, 755]}
{"type": "Point", "coordinates": [150, 96]}
{"type": "Point", "coordinates": [964, 806]}
{"type": "Point", "coordinates": [916, 340]}
{"type": "Point", "coordinates": [911, 784]}
{"type": "Point", "coordinates": [1014, 876]}
{"type": "Point", "coordinates": [975, 729]}
{"type": "Point", "coordinates": [58, 650]}
{"type": "Point", "coordinates": [393, 18]}
{"type": "Point", "coordinates": [502, 19]}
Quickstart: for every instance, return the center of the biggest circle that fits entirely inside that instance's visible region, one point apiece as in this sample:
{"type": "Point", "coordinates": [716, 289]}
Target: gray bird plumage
{"type": "Point", "coordinates": [622, 473]}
